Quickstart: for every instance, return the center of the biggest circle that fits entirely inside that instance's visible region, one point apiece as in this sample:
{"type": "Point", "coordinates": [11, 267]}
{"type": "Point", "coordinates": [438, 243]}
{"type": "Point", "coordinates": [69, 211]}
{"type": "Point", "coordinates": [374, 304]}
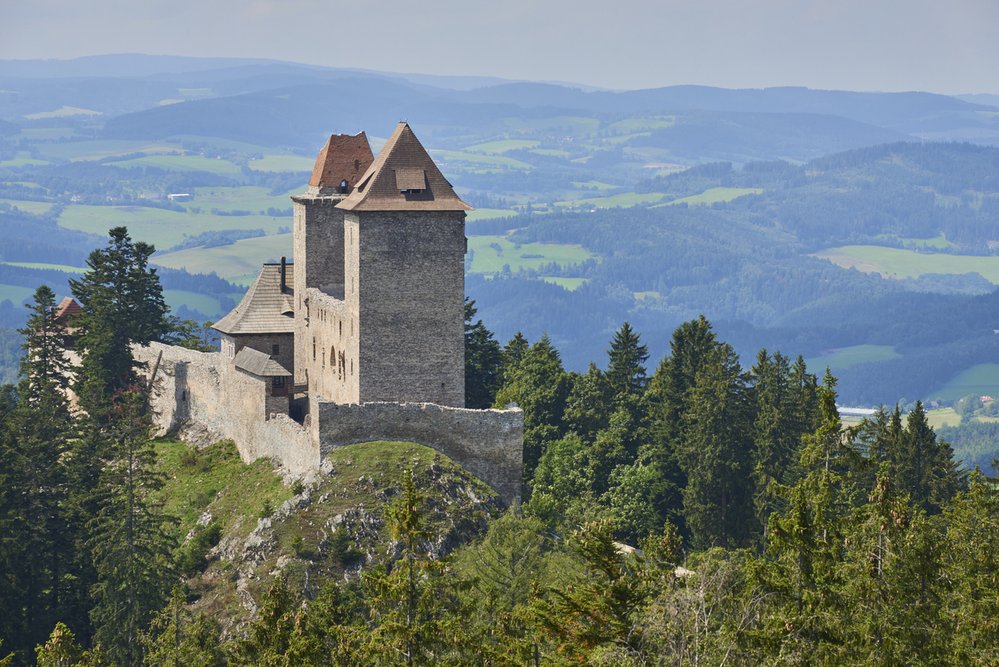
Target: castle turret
{"type": "Point", "coordinates": [318, 230]}
{"type": "Point", "coordinates": [405, 278]}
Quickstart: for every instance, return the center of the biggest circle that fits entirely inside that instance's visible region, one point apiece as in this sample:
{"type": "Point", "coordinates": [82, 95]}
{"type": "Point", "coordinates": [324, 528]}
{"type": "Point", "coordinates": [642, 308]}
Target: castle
{"type": "Point", "coordinates": [360, 339]}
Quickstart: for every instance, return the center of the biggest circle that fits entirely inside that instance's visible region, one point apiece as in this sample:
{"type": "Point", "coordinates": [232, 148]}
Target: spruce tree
{"type": "Point", "coordinates": [716, 454]}
{"type": "Point", "coordinates": [122, 304]}
{"type": "Point", "coordinates": [626, 367]}
{"type": "Point", "coordinates": [38, 535]}
{"type": "Point", "coordinates": [540, 386]}
{"type": "Point", "coordinates": [128, 539]}
{"type": "Point", "coordinates": [483, 362]}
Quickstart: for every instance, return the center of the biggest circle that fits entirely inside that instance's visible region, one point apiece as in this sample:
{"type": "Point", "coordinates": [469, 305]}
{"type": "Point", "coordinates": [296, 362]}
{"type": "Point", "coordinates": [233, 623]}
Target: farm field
{"type": "Point", "coordinates": [623, 200]}
{"type": "Point", "coordinates": [33, 207]}
{"type": "Point", "coordinates": [15, 293]}
{"type": "Point", "coordinates": [897, 263]}
{"type": "Point", "coordinates": [295, 163]}
{"type": "Point", "coordinates": [503, 146]}
{"type": "Point", "coordinates": [238, 262]}
{"type": "Point", "coordinates": [478, 161]}
{"type": "Point", "coordinates": [845, 357]}
{"type": "Point", "coordinates": [715, 196]}
{"type": "Point", "coordinates": [253, 198]}
{"type": "Point", "coordinates": [942, 417]}
{"type": "Point", "coordinates": [43, 265]}
{"type": "Point", "coordinates": [163, 228]}
{"type": "Point", "coordinates": [570, 284]}
{"type": "Point", "coordinates": [21, 159]}
{"type": "Point", "coordinates": [980, 379]}
{"type": "Point", "coordinates": [490, 214]}
{"type": "Point", "coordinates": [182, 163]}
{"type": "Point", "coordinates": [492, 253]}
{"type": "Point", "coordinates": [203, 303]}
{"type": "Point", "coordinates": [76, 151]}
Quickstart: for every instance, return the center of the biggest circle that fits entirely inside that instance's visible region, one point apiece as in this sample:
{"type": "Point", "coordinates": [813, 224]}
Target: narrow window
{"type": "Point", "coordinates": [275, 349]}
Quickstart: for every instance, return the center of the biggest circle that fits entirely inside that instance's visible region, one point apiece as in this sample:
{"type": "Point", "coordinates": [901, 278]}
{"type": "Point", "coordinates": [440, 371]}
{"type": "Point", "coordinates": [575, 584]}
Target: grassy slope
{"type": "Point", "coordinates": [296, 538]}
{"type": "Point", "coordinates": [493, 252]}
{"type": "Point", "coordinates": [980, 379]}
{"type": "Point", "coordinates": [897, 263]}
{"type": "Point", "coordinates": [239, 262]}
{"type": "Point", "coordinates": [851, 356]}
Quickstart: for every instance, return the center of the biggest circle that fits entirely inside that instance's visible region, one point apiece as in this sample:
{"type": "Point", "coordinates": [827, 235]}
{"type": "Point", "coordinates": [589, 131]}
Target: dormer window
{"type": "Point", "coordinates": [410, 180]}
{"type": "Point", "coordinates": [343, 186]}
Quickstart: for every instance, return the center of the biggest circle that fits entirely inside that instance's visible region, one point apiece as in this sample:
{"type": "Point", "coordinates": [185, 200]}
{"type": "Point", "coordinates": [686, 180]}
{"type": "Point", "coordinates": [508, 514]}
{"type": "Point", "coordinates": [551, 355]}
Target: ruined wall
{"type": "Point", "coordinates": [488, 443]}
{"type": "Point", "coordinates": [332, 349]}
{"type": "Point", "coordinates": [318, 256]}
{"type": "Point", "coordinates": [203, 389]}
{"type": "Point", "coordinates": [410, 285]}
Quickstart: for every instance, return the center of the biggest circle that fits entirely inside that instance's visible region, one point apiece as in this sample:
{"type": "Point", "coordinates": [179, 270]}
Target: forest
{"type": "Point", "coordinates": [694, 510]}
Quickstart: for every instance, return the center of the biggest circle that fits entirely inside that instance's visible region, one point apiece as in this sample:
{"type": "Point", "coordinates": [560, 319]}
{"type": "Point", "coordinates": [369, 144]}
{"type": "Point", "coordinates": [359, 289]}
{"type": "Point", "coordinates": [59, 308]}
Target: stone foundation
{"type": "Point", "coordinates": [204, 392]}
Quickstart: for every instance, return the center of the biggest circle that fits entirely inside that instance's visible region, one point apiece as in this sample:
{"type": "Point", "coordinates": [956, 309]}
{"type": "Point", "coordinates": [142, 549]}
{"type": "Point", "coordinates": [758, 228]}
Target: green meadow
{"type": "Point", "coordinates": [845, 357]}
{"type": "Point", "coordinates": [490, 214]}
{"type": "Point", "coordinates": [478, 161]}
{"type": "Point", "coordinates": [715, 196]}
{"type": "Point", "coordinates": [15, 293]}
{"type": "Point", "coordinates": [570, 284]}
{"type": "Point", "coordinates": [492, 253]}
{"type": "Point", "coordinates": [251, 198]}
{"type": "Point", "coordinates": [21, 159]}
{"type": "Point", "coordinates": [982, 379]}
{"type": "Point", "coordinates": [623, 200]}
{"type": "Point", "coordinates": [296, 163]}
{"type": "Point", "coordinates": [941, 417]}
{"type": "Point", "coordinates": [163, 228]}
{"type": "Point", "coordinates": [42, 265]}
{"type": "Point", "coordinates": [238, 262]}
{"type": "Point", "coordinates": [182, 163]}
{"type": "Point", "coordinates": [503, 146]}
{"type": "Point", "coordinates": [203, 303]}
{"type": "Point", "coordinates": [34, 207]}
{"type": "Point", "coordinates": [75, 151]}
{"type": "Point", "coordinates": [898, 263]}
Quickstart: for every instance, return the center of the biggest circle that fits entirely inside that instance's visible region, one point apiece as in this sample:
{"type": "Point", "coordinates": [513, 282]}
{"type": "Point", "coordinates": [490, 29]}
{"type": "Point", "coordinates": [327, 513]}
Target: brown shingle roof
{"type": "Point", "coordinates": [258, 363]}
{"type": "Point", "coordinates": [345, 157]}
{"type": "Point", "coordinates": [264, 308]}
{"type": "Point", "coordinates": [67, 308]}
{"type": "Point", "coordinates": [399, 164]}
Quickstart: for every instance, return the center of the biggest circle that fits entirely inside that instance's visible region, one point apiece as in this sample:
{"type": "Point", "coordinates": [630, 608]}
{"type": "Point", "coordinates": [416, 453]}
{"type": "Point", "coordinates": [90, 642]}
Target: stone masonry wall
{"type": "Point", "coordinates": [488, 443]}
{"type": "Point", "coordinates": [318, 255]}
{"type": "Point", "coordinates": [203, 389]}
{"type": "Point", "coordinates": [410, 294]}
{"type": "Point", "coordinates": [332, 347]}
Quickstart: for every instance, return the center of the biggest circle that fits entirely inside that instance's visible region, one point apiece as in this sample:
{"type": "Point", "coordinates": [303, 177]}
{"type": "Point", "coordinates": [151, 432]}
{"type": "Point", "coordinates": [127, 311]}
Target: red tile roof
{"type": "Point", "coordinates": [345, 157]}
{"type": "Point", "coordinates": [403, 178]}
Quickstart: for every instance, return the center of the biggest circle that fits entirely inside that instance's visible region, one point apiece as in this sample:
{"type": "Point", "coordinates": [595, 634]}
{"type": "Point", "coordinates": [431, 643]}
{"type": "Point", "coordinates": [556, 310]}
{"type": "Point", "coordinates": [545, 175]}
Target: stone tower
{"type": "Point", "coordinates": [381, 304]}
{"type": "Point", "coordinates": [318, 230]}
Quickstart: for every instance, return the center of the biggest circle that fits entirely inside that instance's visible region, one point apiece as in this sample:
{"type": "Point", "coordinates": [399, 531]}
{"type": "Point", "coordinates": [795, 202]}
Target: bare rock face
{"type": "Point", "coordinates": [335, 527]}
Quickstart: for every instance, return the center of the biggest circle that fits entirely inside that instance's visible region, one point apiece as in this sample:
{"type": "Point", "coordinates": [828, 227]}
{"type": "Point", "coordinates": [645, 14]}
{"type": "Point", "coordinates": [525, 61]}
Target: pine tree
{"type": "Point", "coordinates": [176, 637]}
{"type": "Point", "coordinates": [540, 386]}
{"type": "Point", "coordinates": [589, 404]}
{"type": "Point", "coordinates": [626, 367]}
{"type": "Point", "coordinates": [38, 534]}
{"type": "Point", "coordinates": [777, 431]}
{"type": "Point", "coordinates": [483, 361]}
{"type": "Point", "coordinates": [131, 550]}
{"type": "Point", "coordinates": [970, 565]}
{"type": "Point", "coordinates": [925, 468]}
{"type": "Point", "coordinates": [715, 454]}
{"type": "Point", "coordinates": [122, 304]}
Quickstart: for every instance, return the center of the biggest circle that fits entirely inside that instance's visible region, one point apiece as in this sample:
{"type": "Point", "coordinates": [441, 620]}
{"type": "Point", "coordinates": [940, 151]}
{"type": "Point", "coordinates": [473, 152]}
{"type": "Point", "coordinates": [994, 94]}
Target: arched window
{"type": "Point", "coordinates": [343, 186]}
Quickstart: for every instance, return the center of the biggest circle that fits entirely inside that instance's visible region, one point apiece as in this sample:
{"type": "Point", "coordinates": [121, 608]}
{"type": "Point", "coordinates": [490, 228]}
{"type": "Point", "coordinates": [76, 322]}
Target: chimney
{"type": "Point", "coordinates": [284, 275]}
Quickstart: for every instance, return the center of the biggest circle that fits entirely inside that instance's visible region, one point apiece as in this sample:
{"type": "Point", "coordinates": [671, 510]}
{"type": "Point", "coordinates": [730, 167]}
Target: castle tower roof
{"type": "Point", "coordinates": [265, 308]}
{"type": "Point", "coordinates": [403, 178]}
{"type": "Point", "coordinates": [345, 157]}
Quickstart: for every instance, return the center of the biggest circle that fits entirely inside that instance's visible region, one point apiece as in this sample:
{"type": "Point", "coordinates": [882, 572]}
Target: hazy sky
{"type": "Point", "coordinates": [948, 46]}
